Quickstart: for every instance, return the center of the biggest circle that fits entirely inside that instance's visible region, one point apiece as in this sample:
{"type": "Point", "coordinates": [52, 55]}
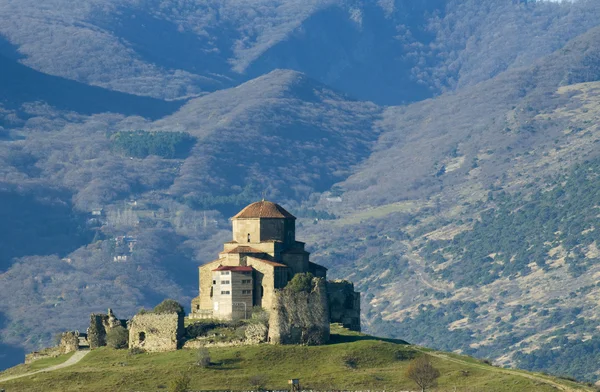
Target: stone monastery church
{"type": "Point", "coordinates": [263, 257]}
{"type": "Point", "coordinates": [253, 270]}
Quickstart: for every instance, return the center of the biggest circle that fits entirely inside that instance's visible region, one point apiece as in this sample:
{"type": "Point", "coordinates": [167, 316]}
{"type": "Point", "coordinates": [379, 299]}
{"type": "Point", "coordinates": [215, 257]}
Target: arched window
{"type": "Point", "coordinates": [248, 237]}
{"type": "Point", "coordinates": [142, 336]}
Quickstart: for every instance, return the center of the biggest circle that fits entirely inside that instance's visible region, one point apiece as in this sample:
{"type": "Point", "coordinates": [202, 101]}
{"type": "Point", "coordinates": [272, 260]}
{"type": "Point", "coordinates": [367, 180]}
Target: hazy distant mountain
{"type": "Point", "coordinates": [409, 201]}
{"type": "Point", "coordinates": [387, 51]}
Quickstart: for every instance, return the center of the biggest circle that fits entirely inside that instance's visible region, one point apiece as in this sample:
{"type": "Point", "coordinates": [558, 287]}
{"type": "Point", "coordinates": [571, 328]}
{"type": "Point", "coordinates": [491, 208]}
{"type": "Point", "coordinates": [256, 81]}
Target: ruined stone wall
{"type": "Point", "coordinates": [156, 332]}
{"type": "Point", "coordinates": [100, 324]}
{"type": "Point", "coordinates": [344, 304]}
{"type": "Point", "coordinates": [300, 317]}
{"type": "Point", "coordinates": [96, 331]}
{"type": "Point", "coordinates": [46, 353]}
{"type": "Point", "coordinates": [69, 342]}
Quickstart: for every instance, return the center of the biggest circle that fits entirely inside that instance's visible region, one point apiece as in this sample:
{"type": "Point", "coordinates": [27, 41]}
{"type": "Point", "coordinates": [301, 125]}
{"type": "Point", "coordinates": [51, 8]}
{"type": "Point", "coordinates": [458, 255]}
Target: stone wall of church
{"type": "Point", "coordinates": [243, 227]}
{"type": "Point", "coordinates": [300, 317]}
{"type": "Point", "coordinates": [272, 229]}
{"type": "Point", "coordinates": [206, 285]}
{"type": "Point", "coordinates": [297, 261]}
{"type": "Point", "coordinates": [264, 282]}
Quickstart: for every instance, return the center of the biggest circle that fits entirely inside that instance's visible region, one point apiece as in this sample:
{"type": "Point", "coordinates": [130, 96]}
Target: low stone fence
{"type": "Point", "coordinates": [51, 352]}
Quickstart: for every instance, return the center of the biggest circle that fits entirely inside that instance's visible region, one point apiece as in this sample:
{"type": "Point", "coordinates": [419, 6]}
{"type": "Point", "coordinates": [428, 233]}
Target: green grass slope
{"type": "Point", "coordinates": [352, 362]}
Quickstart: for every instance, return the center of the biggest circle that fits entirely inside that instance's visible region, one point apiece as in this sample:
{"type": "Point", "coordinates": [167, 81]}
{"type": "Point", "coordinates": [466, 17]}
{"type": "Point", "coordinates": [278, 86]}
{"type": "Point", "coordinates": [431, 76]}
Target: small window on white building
{"type": "Point", "coordinates": [225, 282]}
{"type": "Point", "coordinates": [224, 272]}
{"type": "Point", "coordinates": [225, 292]}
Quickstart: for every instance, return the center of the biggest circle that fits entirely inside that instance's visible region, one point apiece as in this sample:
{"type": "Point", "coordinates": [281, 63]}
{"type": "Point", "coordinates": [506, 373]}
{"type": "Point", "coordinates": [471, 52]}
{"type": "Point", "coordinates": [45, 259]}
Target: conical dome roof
{"type": "Point", "coordinates": [264, 209]}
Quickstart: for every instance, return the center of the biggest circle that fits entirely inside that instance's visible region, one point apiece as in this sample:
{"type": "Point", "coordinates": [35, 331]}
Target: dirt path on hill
{"type": "Point", "coordinates": [75, 358]}
{"type": "Point", "coordinates": [558, 386]}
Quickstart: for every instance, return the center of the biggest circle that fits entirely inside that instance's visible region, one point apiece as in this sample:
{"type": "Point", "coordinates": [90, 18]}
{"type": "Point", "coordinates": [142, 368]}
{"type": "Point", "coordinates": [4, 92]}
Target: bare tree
{"type": "Point", "coordinates": [422, 372]}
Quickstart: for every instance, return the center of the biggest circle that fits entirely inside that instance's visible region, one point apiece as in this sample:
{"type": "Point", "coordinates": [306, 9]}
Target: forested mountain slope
{"type": "Point", "coordinates": [482, 220]}
{"type": "Point", "coordinates": [390, 51]}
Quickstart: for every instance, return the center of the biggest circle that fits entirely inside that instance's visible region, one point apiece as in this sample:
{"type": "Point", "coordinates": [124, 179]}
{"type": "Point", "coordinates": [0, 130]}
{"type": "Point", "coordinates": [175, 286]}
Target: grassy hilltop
{"type": "Point", "coordinates": [352, 361]}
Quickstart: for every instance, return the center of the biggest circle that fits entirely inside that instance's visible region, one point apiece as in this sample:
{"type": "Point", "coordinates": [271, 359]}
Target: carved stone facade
{"type": "Point", "coordinates": [156, 332]}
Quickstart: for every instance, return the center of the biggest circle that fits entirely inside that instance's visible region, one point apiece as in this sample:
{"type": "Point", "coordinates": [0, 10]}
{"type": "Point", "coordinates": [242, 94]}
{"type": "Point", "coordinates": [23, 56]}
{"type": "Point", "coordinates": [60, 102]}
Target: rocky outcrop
{"type": "Point", "coordinates": [300, 317]}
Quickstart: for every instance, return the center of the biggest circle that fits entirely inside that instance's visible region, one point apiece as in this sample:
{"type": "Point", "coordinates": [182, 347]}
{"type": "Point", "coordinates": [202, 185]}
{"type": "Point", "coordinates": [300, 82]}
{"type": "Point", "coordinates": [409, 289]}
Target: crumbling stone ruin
{"type": "Point", "coordinates": [69, 342]}
{"type": "Point", "coordinates": [100, 324]}
{"type": "Point", "coordinates": [344, 304]}
{"type": "Point", "coordinates": [256, 333]}
{"type": "Point", "coordinates": [156, 332]}
{"type": "Point", "coordinates": [300, 317]}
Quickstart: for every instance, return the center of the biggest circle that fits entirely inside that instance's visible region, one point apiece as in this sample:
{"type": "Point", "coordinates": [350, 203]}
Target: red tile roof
{"type": "Point", "coordinates": [264, 209]}
{"type": "Point", "coordinates": [234, 269]}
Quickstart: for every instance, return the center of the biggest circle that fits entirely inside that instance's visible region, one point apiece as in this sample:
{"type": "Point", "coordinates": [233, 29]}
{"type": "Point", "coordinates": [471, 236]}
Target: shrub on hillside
{"type": "Point", "coordinates": [203, 357]}
{"type": "Point", "coordinates": [181, 383]}
{"type": "Point", "coordinates": [258, 382]}
{"type": "Point", "coordinates": [300, 283]}
{"type": "Point", "coordinates": [117, 338]}
{"type": "Point", "coordinates": [350, 361]}
{"type": "Point", "coordinates": [136, 351]}
{"type": "Point", "coordinates": [169, 306]}
{"type": "Point", "coordinates": [260, 315]}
